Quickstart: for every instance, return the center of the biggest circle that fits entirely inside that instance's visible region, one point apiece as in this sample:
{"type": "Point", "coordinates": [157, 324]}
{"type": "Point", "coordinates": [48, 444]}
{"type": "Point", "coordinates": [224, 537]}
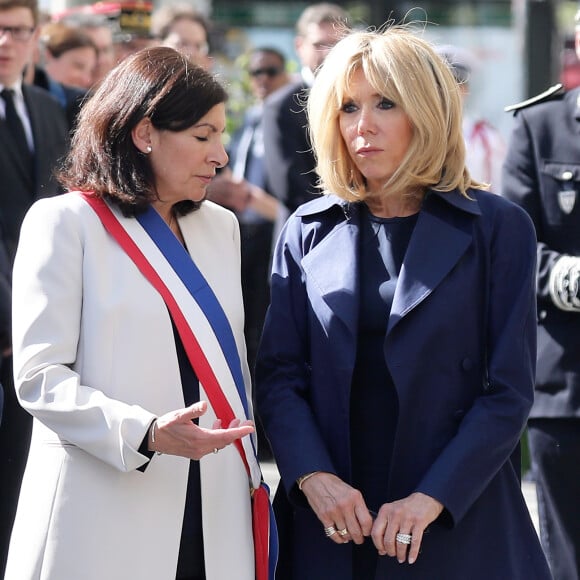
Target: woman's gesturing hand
{"type": "Point", "coordinates": [340, 508]}
{"type": "Point", "coordinates": [399, 527]}
{"type": "Point", "coordinates": [176, 434]}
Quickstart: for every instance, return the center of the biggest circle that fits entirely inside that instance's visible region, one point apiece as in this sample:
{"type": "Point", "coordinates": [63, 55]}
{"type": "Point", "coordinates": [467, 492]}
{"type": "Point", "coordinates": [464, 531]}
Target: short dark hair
{"type": "Point", "coordinates": [157, 83]}
{"type": "Point", "coordinates": [270, 50]}
{"type": "Point", "coordinates": [59, 38]}
{"type": "Point", "coordinates": [32, 5]}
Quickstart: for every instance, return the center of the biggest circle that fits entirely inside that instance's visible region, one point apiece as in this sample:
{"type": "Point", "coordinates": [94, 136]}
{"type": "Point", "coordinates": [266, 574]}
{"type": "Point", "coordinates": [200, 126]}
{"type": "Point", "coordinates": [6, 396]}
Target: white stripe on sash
{"type": "Point", "coordinates": [200, 326]}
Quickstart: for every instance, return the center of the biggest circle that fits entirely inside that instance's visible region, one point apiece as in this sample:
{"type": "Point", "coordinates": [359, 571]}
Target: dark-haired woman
{"type": "Point", "coordinates": [131, 474]}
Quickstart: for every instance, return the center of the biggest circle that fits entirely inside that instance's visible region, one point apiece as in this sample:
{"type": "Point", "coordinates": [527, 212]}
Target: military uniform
{"type": "Point", "coordinates": [542, 174]}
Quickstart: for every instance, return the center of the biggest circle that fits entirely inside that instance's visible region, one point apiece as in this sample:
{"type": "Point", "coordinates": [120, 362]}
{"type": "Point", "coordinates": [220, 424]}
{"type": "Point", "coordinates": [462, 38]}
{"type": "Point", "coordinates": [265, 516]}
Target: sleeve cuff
{"type": "Point", "coordinates": [144, 450]}
{"type": "Point", "coordinates": [564, 284]}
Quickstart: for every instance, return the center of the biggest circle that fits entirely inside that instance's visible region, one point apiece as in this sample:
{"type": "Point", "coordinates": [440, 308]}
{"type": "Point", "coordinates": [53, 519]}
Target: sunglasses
{"type": "Point", "coordinates": [270, 71]}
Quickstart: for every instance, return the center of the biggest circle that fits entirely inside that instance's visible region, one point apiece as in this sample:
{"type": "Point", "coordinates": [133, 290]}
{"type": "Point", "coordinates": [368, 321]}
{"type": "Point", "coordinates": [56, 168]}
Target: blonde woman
{"type": "Point", "coordinates": [396, 368]}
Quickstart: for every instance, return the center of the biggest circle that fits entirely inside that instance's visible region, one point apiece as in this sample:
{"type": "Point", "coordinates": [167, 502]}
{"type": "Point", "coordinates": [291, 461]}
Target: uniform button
{"type": "Point", "coordinates": [466, 364]}
{"type": "Point", "coordinates": [567, 175]}
{"type": "Point", "coordinates": [542, 314]}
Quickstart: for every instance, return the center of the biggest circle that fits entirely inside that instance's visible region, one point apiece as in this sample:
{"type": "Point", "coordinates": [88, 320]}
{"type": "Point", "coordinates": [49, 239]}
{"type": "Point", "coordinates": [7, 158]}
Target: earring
{"type": "Point", "coordinates": [148, 149]}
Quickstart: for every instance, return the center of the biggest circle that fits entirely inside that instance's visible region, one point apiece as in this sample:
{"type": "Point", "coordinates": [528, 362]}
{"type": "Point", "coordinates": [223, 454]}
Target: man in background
{"type": "Point", "coordinates": [289, 159]}
{"type": "Point", "coordinates": [33, 137]}
{"type": "Point", "coordinates": [243, 187]}
{"type": "Point", "coordinates": [542, 175]}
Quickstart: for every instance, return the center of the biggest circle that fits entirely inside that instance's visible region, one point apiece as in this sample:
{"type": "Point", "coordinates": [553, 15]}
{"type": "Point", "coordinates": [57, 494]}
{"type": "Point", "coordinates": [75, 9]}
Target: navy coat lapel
{"type": "Point", "coordinates": [331, 270]}
{"type": "Point", "coordinates": [437, 244]}
{"type": "Point", "coordinates": [337, 281]}
{"type": "Point", "coordinates": [440, 238]}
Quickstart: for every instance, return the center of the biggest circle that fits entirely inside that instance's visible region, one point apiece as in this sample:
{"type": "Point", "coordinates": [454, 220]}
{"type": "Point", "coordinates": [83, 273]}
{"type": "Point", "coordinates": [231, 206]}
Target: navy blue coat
{"type": "Point", "coordinates": [541, 171]}
{"type": "Point", "coordinates": [460, 347]}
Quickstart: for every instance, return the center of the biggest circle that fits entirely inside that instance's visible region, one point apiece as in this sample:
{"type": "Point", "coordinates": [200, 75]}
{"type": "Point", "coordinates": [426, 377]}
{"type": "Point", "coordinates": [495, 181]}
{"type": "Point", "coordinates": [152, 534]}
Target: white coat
{"type": "Point", "coordinates": [94, 363]}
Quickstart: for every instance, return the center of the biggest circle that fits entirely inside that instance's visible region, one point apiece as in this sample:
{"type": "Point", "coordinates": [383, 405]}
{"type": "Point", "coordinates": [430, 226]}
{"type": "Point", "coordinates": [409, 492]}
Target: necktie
{"type": "Point", "coordinates": [14, 125]}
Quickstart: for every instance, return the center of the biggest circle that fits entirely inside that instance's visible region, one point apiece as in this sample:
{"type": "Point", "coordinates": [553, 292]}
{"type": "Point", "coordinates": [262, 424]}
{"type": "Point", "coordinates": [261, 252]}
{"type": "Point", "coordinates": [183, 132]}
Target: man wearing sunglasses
{"type": "Point", "coordinates": [289, 159]}
{"type": "Point", "coordinates": [267, 71]}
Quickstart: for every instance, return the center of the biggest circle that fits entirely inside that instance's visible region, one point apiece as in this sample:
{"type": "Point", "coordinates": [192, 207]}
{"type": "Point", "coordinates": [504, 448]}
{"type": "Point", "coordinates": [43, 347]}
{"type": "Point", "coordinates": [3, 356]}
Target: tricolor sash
{"type": "Point", "coordinates": [216, 362]}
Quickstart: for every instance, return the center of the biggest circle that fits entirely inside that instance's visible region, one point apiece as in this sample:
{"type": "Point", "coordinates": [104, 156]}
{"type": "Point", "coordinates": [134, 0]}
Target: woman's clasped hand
{"type": "Point", "coordinates": [345, 517]}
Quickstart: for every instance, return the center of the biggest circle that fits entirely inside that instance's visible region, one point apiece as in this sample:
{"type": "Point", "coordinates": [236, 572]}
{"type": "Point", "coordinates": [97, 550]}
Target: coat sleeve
{"type": "Point", "coordinates": [47, 310]}
{"type": "Point", "coordinates": [491, 428]}
{"type": "Point", "coordinates": [283, 368]}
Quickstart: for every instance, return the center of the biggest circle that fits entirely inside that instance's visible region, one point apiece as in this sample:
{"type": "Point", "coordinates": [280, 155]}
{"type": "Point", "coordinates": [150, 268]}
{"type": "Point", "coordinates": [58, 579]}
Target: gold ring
{"type": "Point", "coordinates": [343, 532]}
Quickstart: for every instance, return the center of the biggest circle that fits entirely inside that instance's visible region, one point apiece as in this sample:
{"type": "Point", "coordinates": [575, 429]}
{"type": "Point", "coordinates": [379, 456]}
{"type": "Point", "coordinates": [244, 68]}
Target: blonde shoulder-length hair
{"type": "Point", "coordinates": [404, 68]}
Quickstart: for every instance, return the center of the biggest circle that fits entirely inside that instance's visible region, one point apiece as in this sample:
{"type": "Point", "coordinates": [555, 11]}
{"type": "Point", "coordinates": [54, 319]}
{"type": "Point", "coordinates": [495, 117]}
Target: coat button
{"type": "Point", "coordinates": [466, 364]}
{"type": "Point", "coordinates": [567, 175]}
{"type": "Point", "coordinates": [542, 314]}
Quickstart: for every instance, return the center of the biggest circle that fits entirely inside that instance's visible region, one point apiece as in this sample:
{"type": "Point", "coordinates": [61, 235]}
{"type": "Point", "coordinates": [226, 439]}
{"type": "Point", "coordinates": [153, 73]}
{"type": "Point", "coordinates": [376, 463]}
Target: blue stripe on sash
{"type": "Point", "coordinates": [199, 289]}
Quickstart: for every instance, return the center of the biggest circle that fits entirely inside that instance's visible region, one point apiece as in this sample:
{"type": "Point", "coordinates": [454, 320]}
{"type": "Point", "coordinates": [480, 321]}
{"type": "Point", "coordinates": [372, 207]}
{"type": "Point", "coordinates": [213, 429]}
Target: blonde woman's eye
{"type": "Point", "coordinates": [386, 104]}
{"type": "Point", "coordinates": [348, 107]}
{"type": "Point", "coordinates": [202, 139]}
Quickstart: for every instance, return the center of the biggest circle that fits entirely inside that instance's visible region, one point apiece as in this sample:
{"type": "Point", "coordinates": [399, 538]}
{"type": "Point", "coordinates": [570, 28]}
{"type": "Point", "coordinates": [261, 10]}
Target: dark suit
{"type": "Point", "coordinates": [542, 174]}
{"type": "Point", "coordinates": [460, 346]}
{"type": "Point", "coordinates": [18, 187]}
{"type": "Point", "coordinates": [289, 158]}
{"type": "Point", "coordinates": [5, 312]}
{"type": "Point", "coordinates": [18, 190]}
{"type": "Point", "coordinates": [247, 160]}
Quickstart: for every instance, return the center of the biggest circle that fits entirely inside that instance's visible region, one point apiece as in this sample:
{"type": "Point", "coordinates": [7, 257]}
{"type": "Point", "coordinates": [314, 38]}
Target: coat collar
{"type": "Point", "coordinates": [441, 236]}
{"type": "Point", "coordinates": [325, 202]}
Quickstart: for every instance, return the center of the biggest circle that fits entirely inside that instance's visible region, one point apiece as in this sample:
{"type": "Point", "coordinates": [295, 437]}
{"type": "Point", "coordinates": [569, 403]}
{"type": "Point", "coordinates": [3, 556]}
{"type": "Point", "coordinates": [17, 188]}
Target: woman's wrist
{"type": "Point", "coordinates": [300, 481]}
{"type": "Point", "coordinates": [152, 435]}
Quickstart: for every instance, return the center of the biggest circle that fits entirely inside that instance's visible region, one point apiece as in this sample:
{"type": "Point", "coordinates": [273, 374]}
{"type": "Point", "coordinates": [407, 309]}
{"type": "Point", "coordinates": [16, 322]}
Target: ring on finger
{"type": "Point", "coordinates": [215, 449]}
{"type": "Point", "coordinates": [330, 531]}
{"type": "Point", "coordinates": [403, 538]}
{"type": "Point", "coordinates": [343, 532]}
